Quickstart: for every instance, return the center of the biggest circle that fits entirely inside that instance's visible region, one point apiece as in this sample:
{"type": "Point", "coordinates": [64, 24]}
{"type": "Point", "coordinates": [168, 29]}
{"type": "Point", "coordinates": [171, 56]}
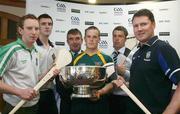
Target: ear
{"type": "Point", "coordinates": [20, 30]}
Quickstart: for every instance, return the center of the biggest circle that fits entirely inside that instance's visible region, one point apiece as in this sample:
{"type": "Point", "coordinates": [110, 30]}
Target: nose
{"type": "Point", "coordinates": [139, 28]}
{"type": "Point", "coordinates": [34, 31]}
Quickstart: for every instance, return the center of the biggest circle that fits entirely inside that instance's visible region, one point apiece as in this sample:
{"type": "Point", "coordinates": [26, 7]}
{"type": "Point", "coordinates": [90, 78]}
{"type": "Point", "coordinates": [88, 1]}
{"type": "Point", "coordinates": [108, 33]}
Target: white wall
{"type": "Point", "coordinates": [106, 17]}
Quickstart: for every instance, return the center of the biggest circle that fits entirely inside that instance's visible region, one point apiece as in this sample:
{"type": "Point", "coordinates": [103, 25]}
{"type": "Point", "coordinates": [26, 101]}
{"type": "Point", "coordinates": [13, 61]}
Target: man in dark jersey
{"type": "Point", "coordinates": [155, 67]}
{"type": "Point", "coordinates": [74, 40]}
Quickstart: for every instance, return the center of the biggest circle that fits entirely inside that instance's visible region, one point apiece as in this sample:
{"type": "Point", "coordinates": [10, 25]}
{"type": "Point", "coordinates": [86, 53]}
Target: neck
{"type": "Point", "coordinates": [28, 44]}
{"type": "Point", "coordinates": [44, 40]}
{"type": "Point", "coordinates": [118, 48]}
{"type": "Point", "coordinates": [90, 51]}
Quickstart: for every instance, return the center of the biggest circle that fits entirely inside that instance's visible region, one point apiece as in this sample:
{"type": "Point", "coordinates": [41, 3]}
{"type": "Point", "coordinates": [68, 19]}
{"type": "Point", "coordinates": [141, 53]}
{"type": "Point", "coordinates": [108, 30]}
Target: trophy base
{"type": "Point", "coordinates": [82, 91]}
{"type": "Point", "coordinates": [80, 96]}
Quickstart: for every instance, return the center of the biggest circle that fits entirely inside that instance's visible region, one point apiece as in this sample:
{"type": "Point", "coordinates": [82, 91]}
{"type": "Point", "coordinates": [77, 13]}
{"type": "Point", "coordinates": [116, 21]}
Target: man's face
{"type": "Point", "coordinates": [118, 39]}
{"type": "Point", "coordinates": [143, 28]}
{"type": "Point", "coordinates": [92, 39]}
{"type": "Point", "coordinates": [30, 31]}
{"type": "Point", "coordinates": [74, 41]}
{"type": "Point", "coordinates": [46, 25]}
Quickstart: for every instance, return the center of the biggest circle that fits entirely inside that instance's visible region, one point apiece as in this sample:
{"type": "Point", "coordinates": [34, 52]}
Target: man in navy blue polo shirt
{"type": "Point", "coordinates": [155, 68]}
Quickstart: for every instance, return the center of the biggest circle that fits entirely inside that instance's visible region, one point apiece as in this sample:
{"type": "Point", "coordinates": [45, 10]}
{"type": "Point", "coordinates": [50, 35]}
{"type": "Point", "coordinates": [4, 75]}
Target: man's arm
{"type": "Point", "coordinates": [174, 105]}
{"type": "Point", "coordinates": [110, 86]}
{"type": "Point", "coordinates": [27, 94]}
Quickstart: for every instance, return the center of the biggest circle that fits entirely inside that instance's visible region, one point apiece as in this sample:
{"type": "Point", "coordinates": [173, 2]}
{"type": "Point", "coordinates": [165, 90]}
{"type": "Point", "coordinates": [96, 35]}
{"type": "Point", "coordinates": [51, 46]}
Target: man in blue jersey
{"type": "Point", "coordinates": [19, 65]}
{"type": "Point", "coordinates": [155, 68]}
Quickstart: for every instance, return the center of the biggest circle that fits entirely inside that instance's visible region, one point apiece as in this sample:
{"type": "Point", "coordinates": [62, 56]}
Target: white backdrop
{"type": "Point", "coordinates": [72, 15]}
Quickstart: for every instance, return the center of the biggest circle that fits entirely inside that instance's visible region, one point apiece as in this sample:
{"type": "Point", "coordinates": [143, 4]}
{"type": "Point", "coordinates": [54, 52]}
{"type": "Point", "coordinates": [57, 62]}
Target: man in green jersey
{"type": "Point", "coordinates": [92, 56]}
{"type": "Point", "coordinates": [19, 66]}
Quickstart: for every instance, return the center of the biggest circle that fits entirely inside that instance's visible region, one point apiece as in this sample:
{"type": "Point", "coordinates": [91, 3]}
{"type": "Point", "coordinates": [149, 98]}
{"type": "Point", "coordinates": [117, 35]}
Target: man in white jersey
{"type": "Point", "coordinates": [118, 98]}
{"type": "Point", "coordinates": [19, 65]}
{"type": "Point", "coordinates": [47, 52]}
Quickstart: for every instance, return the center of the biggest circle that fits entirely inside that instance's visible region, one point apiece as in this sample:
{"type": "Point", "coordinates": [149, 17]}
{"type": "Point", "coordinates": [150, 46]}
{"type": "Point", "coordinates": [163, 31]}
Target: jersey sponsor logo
{"type": "Point", "coordinates": [148, 55]}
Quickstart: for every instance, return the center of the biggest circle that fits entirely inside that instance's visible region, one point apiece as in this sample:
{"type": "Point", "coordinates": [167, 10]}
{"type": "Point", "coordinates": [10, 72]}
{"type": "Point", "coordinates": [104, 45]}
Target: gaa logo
{"type": "Point", "coordinates": [61, 7]}
{"type": "Point", "coordinates": [118, 11]}
{"type": "Point", "coordinates": [75, 20]}
{"type": "Point", "coordinates": [130, 21]}
{"type": "Point", "coordinates": [103, 44]}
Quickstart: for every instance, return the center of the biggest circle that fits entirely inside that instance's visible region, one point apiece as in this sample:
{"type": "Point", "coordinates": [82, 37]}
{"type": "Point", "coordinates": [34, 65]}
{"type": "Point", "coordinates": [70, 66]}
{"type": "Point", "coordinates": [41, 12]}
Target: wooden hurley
{"type": "Point", "coordinates": [110, 70]}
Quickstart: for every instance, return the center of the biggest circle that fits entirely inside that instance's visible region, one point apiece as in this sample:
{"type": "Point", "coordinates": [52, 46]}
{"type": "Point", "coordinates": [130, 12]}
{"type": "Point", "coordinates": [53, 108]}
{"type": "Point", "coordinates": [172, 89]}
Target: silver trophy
{"type": "Point", "coordinates": [83, 79]}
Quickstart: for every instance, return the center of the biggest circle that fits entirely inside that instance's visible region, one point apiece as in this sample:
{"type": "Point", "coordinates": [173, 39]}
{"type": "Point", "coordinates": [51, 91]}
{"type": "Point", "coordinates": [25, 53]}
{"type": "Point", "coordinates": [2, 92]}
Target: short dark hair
{"type": "Point", "coordinates": [74, 31]}
{"type": "Point", "coordinates": [144, 12]}
{"type": "Point", "coordinates": [23, 18]}
{"type": "Point", "coordinates": [44, 15]}
{"type": "Point", "coordinates": [92, 27]}
{"type": "Point", "coordinates": [121, 28]}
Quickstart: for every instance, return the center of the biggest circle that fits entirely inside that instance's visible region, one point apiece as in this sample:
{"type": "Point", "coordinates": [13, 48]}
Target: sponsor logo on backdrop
{"type": "Point", "coordinates": [102, 12]}
{"type": "Point", "coordinates": [164, 33]}
{"type": "Point", "coordinates": [43, 6]}
{"type": "Point", "coordinates": [118, 11]}
{"type": "Point", "coordinates": [104, 34]}
{"type": "Point", "coordinates": [89, 23]}
{"type": "Point", "coordinates": [60, 31]}
{"type": "Point", "coordinates": [164, 9]}
{"type": "Point", "coordinates": [103, 44]}
{"type": "Point", "coordinates": [90, 12]}
{"type": "Point", "coordinates": [117, 23]}
{"type": "Point", "coordinates": [164, 21]}
{"type": "Point", "coordinates": [75, 20]}
{"type": "Point", "coordinates": [132, 12]}
{"type": "Point", "coordinates": [61, 7]}
{"type": "Point", "coordinates": [60, 19]}
{"type": "Point", "coordinates": [130, 21]}
{"type": "Point", "coordinates": [103, 23]}
{"type": "Point", "coordinates": [60, 43]}
{"type": "Point", "coordinates": [75, 11]}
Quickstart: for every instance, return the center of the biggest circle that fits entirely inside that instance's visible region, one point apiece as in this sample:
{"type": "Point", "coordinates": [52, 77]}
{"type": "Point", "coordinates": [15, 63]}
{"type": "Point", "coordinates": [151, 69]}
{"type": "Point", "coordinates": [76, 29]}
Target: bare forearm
{"type": "Point", "coordinates": [106, 89]}
{"type": "Point", "coordinates": [114, 84]}
{"type": "Point", "coordinates": [174, 105]}
{"type": "Point", "coordinates": [4, 88]}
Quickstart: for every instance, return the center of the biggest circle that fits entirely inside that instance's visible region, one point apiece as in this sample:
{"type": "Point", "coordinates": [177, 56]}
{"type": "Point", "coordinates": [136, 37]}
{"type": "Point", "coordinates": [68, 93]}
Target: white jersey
{"type": "Point", "coordinates": [47, 58]}
{"type": "Point", "coordinates": [19, 68]}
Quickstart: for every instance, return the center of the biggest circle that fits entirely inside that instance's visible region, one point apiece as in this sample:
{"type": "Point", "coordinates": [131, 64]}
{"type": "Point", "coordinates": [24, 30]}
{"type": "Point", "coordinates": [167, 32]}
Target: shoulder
{"type": "Point", "coordinates": [12, 47]}
{"type": "Point", "coordinates": [106, 57]}
{"type": "Point", "coordinates": [163, 45]}
{"type": "Point", "coordinates": [163, 48]}
{"type": "Point", "coordinates": [8, 50]}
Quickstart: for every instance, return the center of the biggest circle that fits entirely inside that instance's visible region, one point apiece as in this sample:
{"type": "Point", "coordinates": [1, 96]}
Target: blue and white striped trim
{"type": "Point", "coordinates": [172, 73]}
{"type": "Point", "coordinates": [167, 71]}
